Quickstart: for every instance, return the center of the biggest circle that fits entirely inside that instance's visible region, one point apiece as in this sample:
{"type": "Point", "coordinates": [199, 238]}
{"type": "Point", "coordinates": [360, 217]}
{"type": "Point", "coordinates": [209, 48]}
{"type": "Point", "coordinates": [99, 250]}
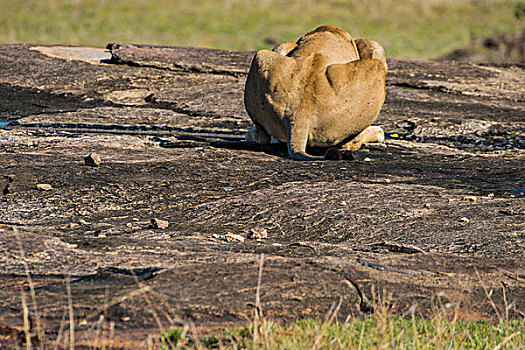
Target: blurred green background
{"type": "Point", "coordinates": [412, 29]}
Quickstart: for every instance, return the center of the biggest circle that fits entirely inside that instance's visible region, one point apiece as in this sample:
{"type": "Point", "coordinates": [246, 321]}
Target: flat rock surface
{"type": "Point", "coordinates": [435, 215]}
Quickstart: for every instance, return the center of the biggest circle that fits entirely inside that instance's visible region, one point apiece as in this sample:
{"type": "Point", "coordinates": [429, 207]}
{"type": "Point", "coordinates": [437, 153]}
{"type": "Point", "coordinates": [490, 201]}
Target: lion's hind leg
{"type": "Point", "coordinates": [257, 135]}
{"type": "Point", "coordinates": [372, 134]}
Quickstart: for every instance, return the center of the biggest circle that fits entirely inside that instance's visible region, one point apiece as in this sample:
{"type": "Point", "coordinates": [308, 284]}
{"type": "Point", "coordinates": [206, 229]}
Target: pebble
{"type": "Point", "coordinates": [44, 187]}
{"type": "Point", "coordinates": [159, 224]}
{"type": "Point", "coordinates": [230, 237]}
{"type": "Point", "coordinates": [234, 237]}
{"type": "Point", "coordinates": [258, 233]}
{"type": "Point", "coordinates": [470, 198]}
{"type": "Point", "coordinates": [367, 159]}
{"type": "Point", "coordinates": [464, 220]}
{"type": "Point", "coordinates": [93, 159]}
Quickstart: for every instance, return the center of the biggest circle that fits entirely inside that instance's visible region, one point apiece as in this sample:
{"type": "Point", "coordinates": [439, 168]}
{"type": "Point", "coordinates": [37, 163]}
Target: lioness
{"type": "Point", "coordinates": [325, 90]}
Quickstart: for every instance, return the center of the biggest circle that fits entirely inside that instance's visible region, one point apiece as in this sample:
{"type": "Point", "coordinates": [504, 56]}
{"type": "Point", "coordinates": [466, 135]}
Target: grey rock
{"type": "Point", "coordinates": [159, 224]}
{"type": "Point", "coordinates": [93, 160]}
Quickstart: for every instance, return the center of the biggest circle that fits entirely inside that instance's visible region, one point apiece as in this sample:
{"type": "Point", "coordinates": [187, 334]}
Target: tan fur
{"type": "Point", "coordinates": [323, 90]}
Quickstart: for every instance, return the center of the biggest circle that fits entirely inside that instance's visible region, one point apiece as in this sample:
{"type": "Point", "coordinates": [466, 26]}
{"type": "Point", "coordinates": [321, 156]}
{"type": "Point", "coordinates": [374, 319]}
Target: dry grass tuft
{"type": "Point", "coordinates": [378, 330]}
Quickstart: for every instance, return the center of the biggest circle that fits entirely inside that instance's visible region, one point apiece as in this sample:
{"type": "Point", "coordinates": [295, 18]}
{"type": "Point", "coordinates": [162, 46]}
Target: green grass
{"type": "Point", "coordinates": [390, 332]}
{"type": "Point", "coordinates": [419, 29]}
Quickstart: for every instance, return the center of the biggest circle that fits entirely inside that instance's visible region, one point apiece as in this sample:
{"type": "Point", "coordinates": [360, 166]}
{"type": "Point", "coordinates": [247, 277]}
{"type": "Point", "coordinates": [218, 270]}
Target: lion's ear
{"type": "Point", "coordinates": [285, 48]}
{"type": "Point", "coordinates": [369, 49]}
{"type": "Point", "coordinates": [274, 66]}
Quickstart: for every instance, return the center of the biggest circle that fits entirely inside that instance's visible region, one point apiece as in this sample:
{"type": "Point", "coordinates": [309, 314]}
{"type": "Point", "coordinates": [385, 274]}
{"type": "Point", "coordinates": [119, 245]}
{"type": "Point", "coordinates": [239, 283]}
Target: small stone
{"type": "Point", "coordinates": [101, 235]}
{"type": "Point", "coordinates": [367, 159]}
{"type": "Point", "coordinates": [464, 220]}
{"type": "Point", "coordinates": [343, 203]}
{"type": "Point", "coordinates": [44, 187]}
{"type": "Point", "coordinates": [427, 205]}
{"type": "Point", "coordinates": [470, 198]}
{"type": "Point", "coordinates": [159, 224]}
{"type": "Point", "coordinates": [490, 195]}
{"type": "Point", "coordinates": [258, 233]}
{"type": "Point", "coordinates": [230, 236]}
{"type": "Point", "coordinates": [82, 222]}
{"type": "Point", "coordinates": [92, 159]}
